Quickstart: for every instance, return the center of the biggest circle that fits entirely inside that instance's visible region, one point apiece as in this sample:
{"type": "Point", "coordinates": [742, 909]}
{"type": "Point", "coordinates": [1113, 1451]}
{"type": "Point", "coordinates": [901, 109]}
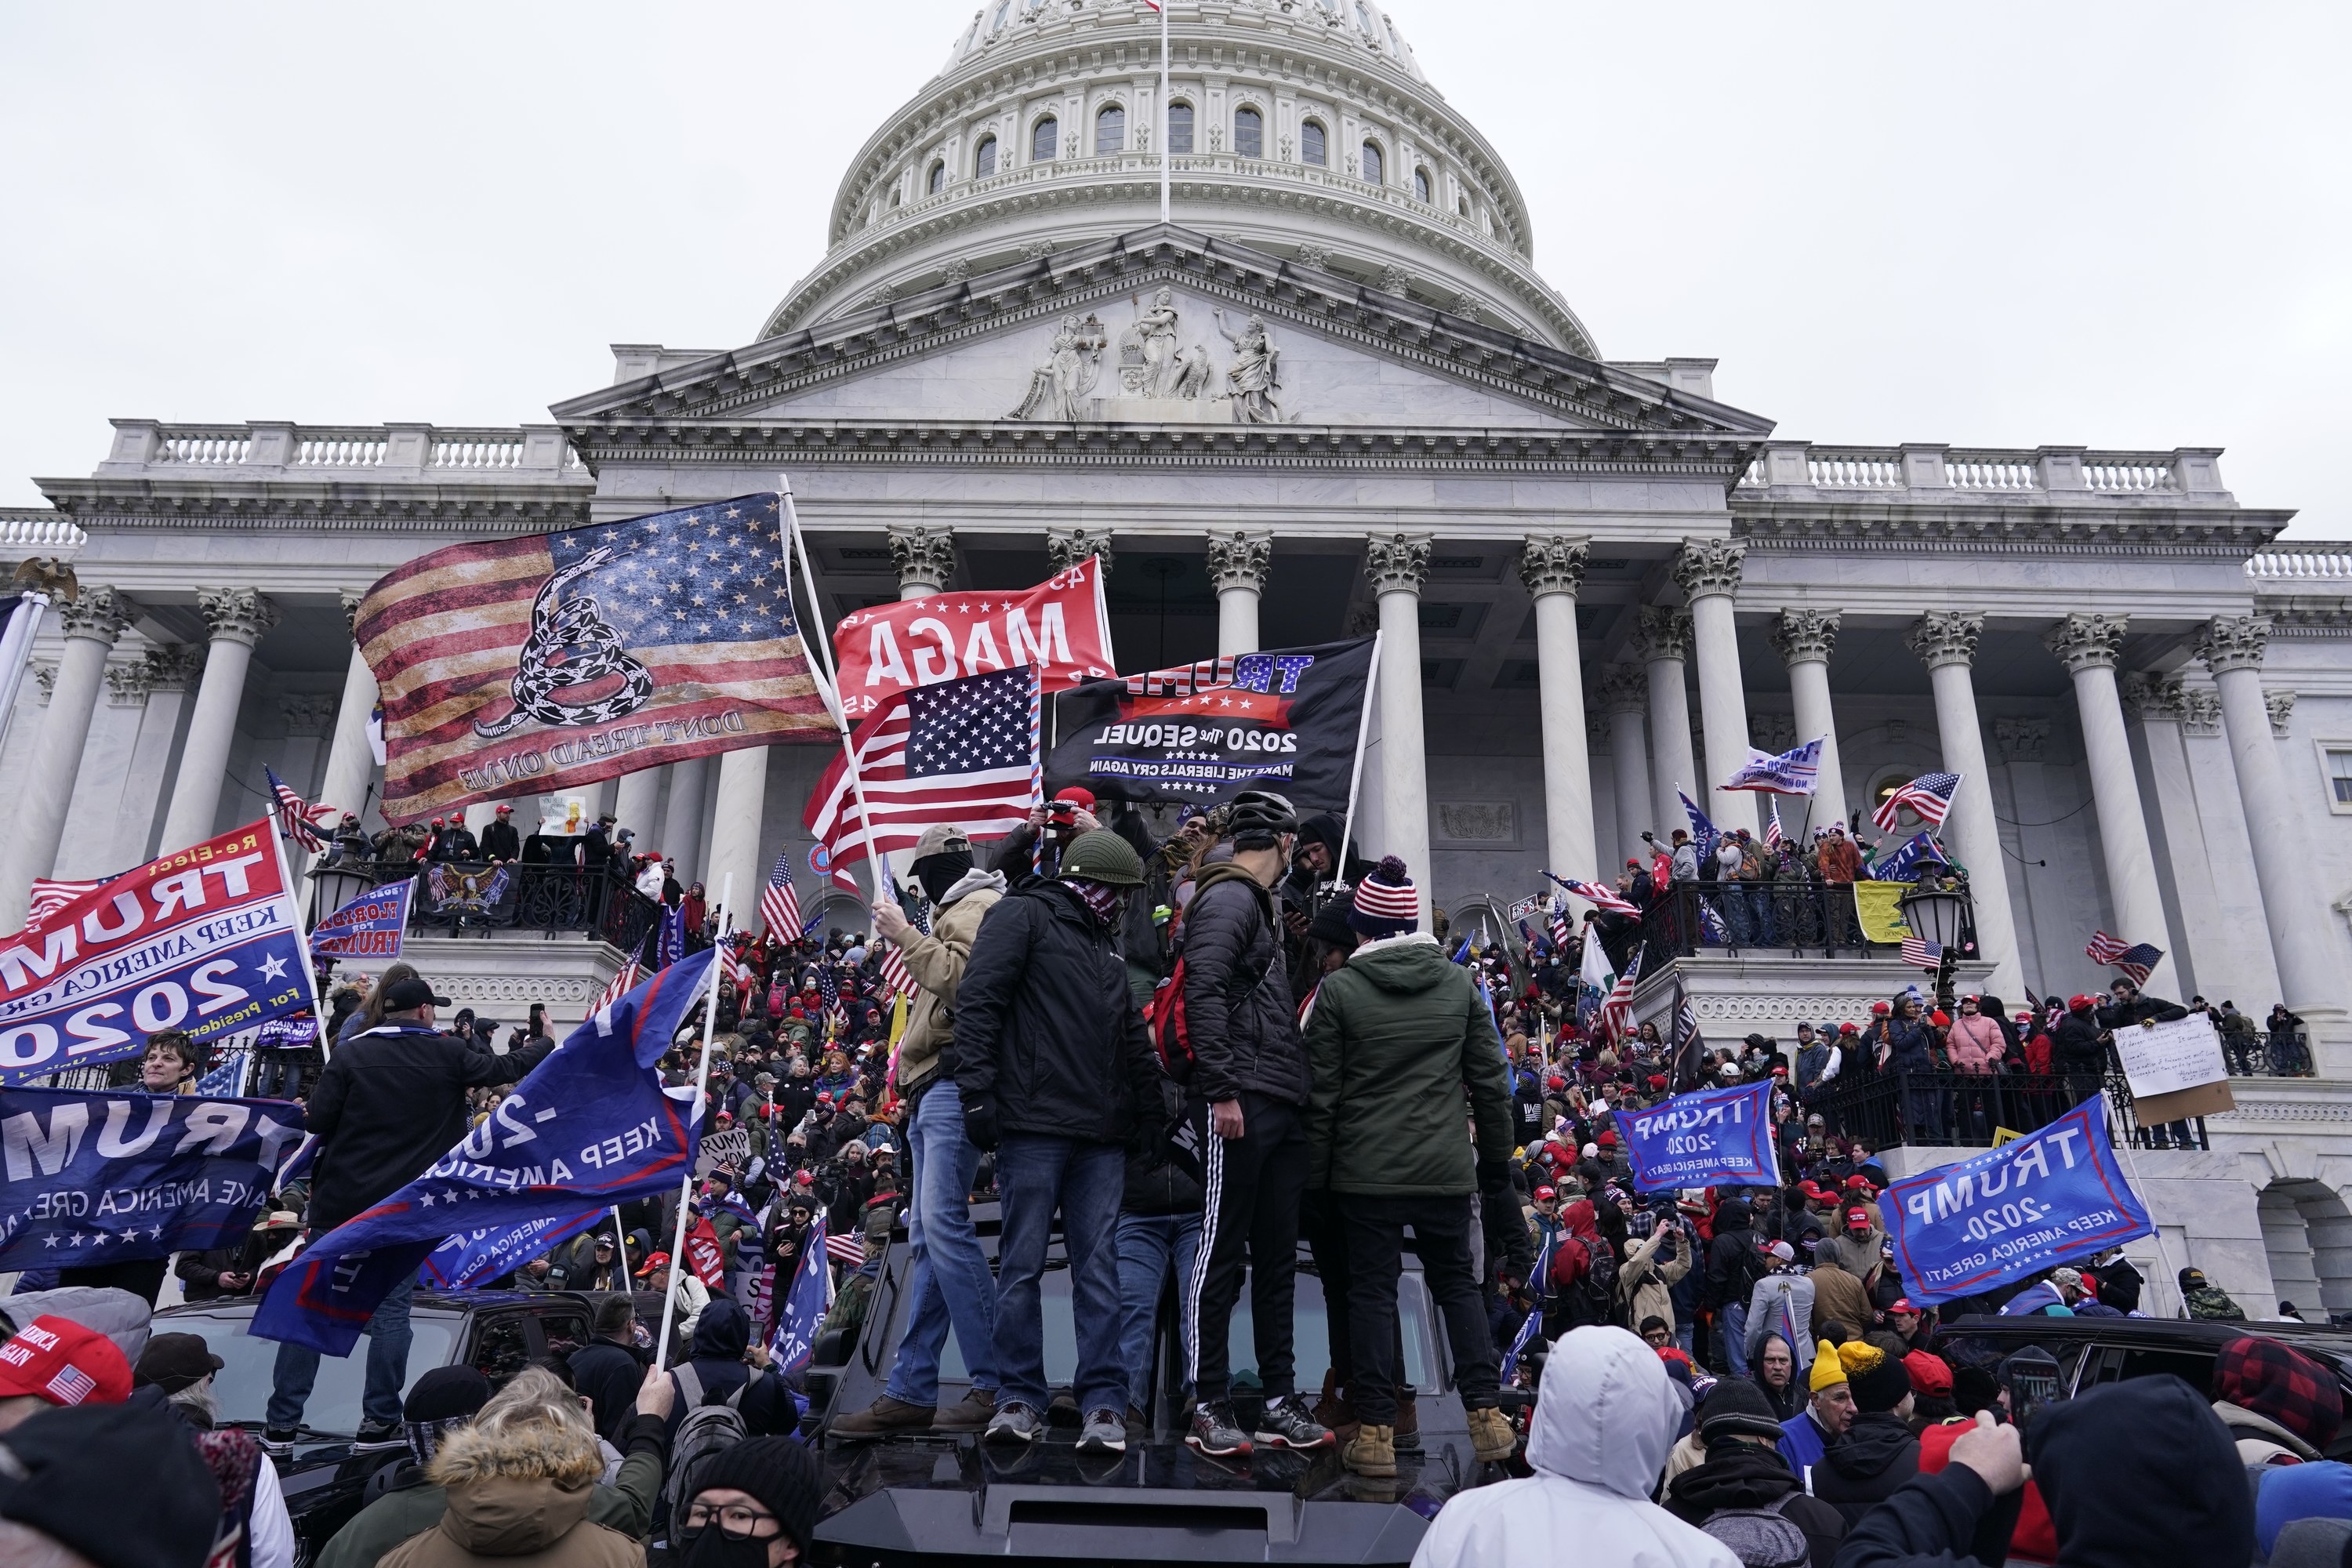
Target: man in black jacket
{"type": "Point", "coordinates": [1054, 1064]}
{"type": "Point", "coordinates": [2129, 1008]}
{"type": "Point", "coordinates": [391, 1101]}
{"type": "Point", "coordinates": [1744, 1470]}
{"type": "Point", "coordinates": [499, 840]}
{"type": "Point", "coordinates": [1252, 1072]}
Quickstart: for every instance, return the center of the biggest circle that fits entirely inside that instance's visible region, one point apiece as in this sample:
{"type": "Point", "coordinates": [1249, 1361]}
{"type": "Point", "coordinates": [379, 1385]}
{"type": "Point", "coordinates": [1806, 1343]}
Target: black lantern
{"type": "Point", "coordinates": [332, 886]}
{"type": "Point", "coordinates": [1938, 915]}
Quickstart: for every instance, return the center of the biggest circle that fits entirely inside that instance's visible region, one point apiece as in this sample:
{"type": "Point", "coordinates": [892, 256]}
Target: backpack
{"type": "Point", "coordinates": [1761, 1537]}
{"type": "Point", "coordinates": [708, 1431]}
{"type": "Point", "coordinates": [1172, 1033]}
{"type": "Point", "coordinates": [1591, 1297]}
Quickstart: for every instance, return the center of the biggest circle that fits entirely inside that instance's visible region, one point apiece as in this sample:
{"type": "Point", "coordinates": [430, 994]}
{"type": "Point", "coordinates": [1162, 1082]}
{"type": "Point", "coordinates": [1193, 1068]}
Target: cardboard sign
{"type": "Point", "coordinates": [719, 1148]}
{"type": "Point", "coordinates": [2163, 1058]}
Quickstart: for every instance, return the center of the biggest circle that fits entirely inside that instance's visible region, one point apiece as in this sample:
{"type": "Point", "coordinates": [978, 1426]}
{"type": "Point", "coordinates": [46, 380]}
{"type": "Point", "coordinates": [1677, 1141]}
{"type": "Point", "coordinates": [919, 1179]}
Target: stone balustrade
{"type": "Point", "coordinates": [39, 529]}
{"type": "Point", "coordinates": [1940, 474]}
{"type": "Point", "coordinates": [440, 453]}
{"type": "Point", "coordinates": [2288, 564]}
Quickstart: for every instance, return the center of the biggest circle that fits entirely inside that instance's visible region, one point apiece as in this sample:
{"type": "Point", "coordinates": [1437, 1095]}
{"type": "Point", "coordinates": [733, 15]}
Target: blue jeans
{"type": "Point", "coordinates": [950, 1284]}
{"type": "Point", "coordinates": [388, 1337]}
{"type": "Point", "coordinates": [1036, 1175]}
{"type": "Point", "coordinates": [1733, 1322]}
{"type": "Point", "coordinates": [1149, 1244]}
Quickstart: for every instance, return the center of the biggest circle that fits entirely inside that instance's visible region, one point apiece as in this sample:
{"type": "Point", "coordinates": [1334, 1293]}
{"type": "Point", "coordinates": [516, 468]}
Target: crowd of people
{"type": "Point", "coordinates": [1188, 1056]}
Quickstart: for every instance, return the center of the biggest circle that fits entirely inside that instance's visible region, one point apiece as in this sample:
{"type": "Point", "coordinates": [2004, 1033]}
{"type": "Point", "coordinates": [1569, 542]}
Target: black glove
{"type": "Point", "coordinates": [1494, 1176]}
{"type": "Point", "coordinates": [979, 1120]}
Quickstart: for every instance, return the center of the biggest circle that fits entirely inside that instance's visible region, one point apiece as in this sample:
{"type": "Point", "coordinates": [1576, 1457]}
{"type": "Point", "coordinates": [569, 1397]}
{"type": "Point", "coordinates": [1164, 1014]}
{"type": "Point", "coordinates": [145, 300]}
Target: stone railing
{"type": "Point", "coordinates": [1950, 471]}
{"type": "Point", "coordinates": [438, 453]}
{"type": "Point", "coordinates": [39, 529]}
{"type": "Point", "coordinates": [2288, 564]}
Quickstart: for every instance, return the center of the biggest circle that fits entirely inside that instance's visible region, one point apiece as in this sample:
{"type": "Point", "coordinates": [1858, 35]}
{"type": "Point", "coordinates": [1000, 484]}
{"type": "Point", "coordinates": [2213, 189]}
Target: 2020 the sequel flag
{"type": "Point", "coordinates": [2050, 1197]}
{"type": "Point", "coordinates": [1287, 720]}
{"type": "Point", "coordinates": [96, 1177]}
{"type": "Point", "coordinates": [590, 1126]}
{"type": "Point", "coordinates": [539, 663]}
{"type": "Point", "coordinates": [1716, 1137]}
{"type": "Point", "coordinates": [1061, 627]}
{"type": "Point", "coordinates": [205, 940]}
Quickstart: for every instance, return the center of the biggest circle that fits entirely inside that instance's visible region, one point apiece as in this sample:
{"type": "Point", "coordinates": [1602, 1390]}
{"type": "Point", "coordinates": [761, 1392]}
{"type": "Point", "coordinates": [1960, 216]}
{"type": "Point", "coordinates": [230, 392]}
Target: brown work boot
{"type": "Point", "coordinates": [1491, 1437]}
{"type": "Point", "coordinates": [973, 1413]}
{"type": "Point", "coordinates": [884, 1417]}
{"type": "Point", "coordinates": [1334, 1411]}
{"type": "Point", "coordinates": [1408, 1422]}
{"type": "Point", "coordinates": [1371, 1452]}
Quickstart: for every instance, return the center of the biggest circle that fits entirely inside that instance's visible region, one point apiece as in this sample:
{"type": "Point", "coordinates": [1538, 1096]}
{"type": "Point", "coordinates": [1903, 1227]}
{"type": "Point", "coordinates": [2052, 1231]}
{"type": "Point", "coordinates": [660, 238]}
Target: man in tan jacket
{"type": "Point", "coordinates": [950, 1284]}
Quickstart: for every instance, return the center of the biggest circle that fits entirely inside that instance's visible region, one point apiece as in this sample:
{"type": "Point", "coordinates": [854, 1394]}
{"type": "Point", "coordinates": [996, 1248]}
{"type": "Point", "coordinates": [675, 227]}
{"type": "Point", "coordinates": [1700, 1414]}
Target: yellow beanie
{"type": "Point", "coordinates": [1828, 1370]}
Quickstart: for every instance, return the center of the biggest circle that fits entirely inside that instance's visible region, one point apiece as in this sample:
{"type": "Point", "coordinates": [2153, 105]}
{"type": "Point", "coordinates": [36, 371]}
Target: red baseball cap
{"type": "Point", "coordinates": [658, 1261]}
{"type": "Point", "coordinates": [2081, 1004]}
{"type": "Point", "coordinates": [505, 811]}
{"type": "Point", "coordinates": [1904, 1305]}
{"type": "Point", "coordinates": [58, 1360]}
{"type": "Point", "coordinates": [1082, 798]}
{"type": "Point", "coordinates": [1543, 1193]}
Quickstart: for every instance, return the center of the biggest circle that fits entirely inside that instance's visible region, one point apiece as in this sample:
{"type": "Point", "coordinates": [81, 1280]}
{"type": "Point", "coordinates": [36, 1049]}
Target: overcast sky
{"type": "Point", "coordinates": [2005, 225]}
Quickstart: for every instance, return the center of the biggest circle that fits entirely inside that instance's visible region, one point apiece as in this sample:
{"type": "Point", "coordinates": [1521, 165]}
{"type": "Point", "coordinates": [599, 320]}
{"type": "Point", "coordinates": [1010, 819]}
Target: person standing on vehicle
{"type": "Point", "coordinates": [948, 1283]}
{"type": "Point", "coordinates": [1397, 1035]}
{"type": "Point", "coordinates": [1053, 1063]}
{"type": "Point", "coordinates": [1252, 1072]}
{"type": "Point", "coordinates": [391, 1101]}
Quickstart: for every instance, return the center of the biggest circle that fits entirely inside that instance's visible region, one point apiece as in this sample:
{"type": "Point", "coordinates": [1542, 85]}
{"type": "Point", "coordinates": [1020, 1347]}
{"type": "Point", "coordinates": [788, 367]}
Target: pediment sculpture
{"type": "Point", "coordinates": [1160, 378]}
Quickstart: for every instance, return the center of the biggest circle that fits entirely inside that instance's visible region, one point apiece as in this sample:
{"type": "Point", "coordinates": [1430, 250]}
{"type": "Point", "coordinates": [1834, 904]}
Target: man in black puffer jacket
{"type": "Point", "coordinates": [1054, 1067]}
{"type": "Point", "coordinates": [2128, 1008]}
{"type": "Point", "coordinates": [1870, 1460]}
{"type": "Point", "coordinates": [1252, 1072]}
{"type": "Point", "coordinates": [2078, 1049]}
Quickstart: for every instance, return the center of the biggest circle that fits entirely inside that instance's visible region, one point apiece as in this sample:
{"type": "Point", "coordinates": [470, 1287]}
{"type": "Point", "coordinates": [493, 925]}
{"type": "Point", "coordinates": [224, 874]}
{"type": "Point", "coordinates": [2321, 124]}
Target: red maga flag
{"type": "Point", "coordinates": [1060, 627]}
{"type": "Point", "coordinates": [544, 662]}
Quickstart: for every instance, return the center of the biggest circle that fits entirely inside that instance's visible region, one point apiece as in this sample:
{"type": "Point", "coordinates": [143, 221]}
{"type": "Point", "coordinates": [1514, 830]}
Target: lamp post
{"type": "Point", "coordinates": [334, 884]}
{"type": "Point", "coordinates": [1936, 914]}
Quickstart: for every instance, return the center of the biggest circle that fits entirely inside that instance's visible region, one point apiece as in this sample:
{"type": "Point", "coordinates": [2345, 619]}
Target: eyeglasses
{"type": "Point", "coordinates": [735, 1519]}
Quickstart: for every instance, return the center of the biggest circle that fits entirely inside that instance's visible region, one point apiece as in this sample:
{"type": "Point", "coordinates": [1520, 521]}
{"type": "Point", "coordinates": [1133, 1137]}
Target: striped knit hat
{"type": "Point", "coordinates": [1387, 904]}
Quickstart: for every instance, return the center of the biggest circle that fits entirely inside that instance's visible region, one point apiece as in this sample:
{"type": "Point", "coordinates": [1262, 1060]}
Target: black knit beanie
{"type": "Point", "coordinates": [68, 1481]}
{"type": "Point", "coordinates": [776, 1470]}
{"type": "Point", "coordinates": [1737, 1408]}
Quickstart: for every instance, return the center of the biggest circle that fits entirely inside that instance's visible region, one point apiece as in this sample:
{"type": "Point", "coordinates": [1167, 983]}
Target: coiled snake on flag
{"type": "Point", "coordinates": [571, 645]}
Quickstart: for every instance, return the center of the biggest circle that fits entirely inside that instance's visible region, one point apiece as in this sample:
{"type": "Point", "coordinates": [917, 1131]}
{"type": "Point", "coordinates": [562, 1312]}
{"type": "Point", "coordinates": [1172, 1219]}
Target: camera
{"type": "Point", "coordinates": [1062, 813]}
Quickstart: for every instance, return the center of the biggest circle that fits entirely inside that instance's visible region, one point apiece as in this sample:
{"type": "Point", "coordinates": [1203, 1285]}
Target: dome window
{"type": "Point", "coordinates": [984, 162]}
{"type": "Point", "coordinates": [1180, 128]}
{"type": "Point", "coordinates": [1461, 206]}
{"type": "Point", "coordinates": [1110, 129]}
{"type": "Point", "coordinates": [1364, 20]}
{"type": "Point", "coordinates": [1043, 139]}
{"type": "Point", "coordinates": [1310, 145]}
{"type": "Point", "coordinates": [937, 180]}
{"type": "Point", "coordinates": [996, 22]}
{"type": "Point", "coordinates": [1371, 165]}
{"type": "Point", "coordinates": [1421, 186]}
{"type": "Point", "coordinates": [1249, 133]}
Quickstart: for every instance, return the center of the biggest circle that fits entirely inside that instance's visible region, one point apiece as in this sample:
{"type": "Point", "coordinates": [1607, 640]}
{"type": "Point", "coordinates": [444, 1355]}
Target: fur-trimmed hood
{"type": "Point", "coordinates": [515, 1492]}
{"type": "Point", "coordinates": [539, 1451]}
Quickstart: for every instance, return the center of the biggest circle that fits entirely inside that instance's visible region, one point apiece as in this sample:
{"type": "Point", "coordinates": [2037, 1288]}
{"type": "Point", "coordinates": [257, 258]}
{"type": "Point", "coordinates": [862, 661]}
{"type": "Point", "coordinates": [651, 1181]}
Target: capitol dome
{"type": "Point", "coordinates": [1302, 128]}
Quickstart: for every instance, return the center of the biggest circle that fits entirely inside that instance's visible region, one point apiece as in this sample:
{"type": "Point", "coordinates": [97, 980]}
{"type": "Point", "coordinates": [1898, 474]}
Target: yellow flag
{"type": "Point", "coordinates": [1876, 906]}
{"type": "Point", "coordinates": [898, 1017]}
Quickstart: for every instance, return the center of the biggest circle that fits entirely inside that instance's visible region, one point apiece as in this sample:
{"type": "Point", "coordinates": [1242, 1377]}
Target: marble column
{"type": "Point", "coordinates": [2212, 945]}
{"type": "Point", "coordinates": [350, 761]}
{"type": "Point", "coordinates": [1238, 561]}
{"type": "Point", "coordinates": [1662, 640]}
{"type": "Point", "coordinates": [1708, 570]}
{"type": "Point", "coordinates": [237, 618]}
{"type": "Point", "coordinates": [2301, 929]}
{"type": "Point", "coordinates": [1945, 642]}
{"type": "Point", "coordinates": [635, 802]}
{"type": "Point", "coordinates": [2089, 645]}
{"type": "Point", "coordinates": [170, 673]}
{"type": "Point", "coordinates": [1622, 693]}
{"type": "Point", "coordinates": [924, 559]}
{"type": "Point", "coordinates": [1804, 639]}
{"type": "Point", "coordinates": [1397, 565]}
{"type": "Point", "coordinates": [1552, 567]}
{"type": "Point", "coordinates": [736, 821]}
{"type": "Point", "coordinates": [682, 818]}
{"type": "Point", "coordinates": [91, 625]}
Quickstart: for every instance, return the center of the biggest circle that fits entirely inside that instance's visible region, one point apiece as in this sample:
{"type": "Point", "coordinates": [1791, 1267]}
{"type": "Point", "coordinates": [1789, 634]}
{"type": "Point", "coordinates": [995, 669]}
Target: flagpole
{"type": "Point", "coordinates": [701, 1097]}
{"type": "Point", "coordinates": [1356, 773]}
{"type": "Point", "coordinates": [2139, 1189]}
{"type": "Point", "coordinates": [829, 688]}
{"type": "Point", "coordinates": [620, 1241]}
{"type": "Point", "coordinates": [1167, 152]}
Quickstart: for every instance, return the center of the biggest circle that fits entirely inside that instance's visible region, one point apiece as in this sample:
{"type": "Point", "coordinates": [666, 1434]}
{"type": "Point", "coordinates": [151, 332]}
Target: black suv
{"type": "Point", "coordinates": [921, 1498]}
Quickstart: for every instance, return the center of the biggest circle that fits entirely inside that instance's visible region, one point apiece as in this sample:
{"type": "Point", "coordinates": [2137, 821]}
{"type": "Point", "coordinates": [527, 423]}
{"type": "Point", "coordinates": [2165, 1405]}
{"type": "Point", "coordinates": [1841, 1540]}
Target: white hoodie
{"type": "Point", "coordinates": [1603, 1423]}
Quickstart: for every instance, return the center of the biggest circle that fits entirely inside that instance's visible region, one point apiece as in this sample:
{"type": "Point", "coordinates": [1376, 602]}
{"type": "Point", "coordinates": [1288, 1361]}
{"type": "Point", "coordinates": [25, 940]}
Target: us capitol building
{"type": "Point", "coordinates": [1334, 394]}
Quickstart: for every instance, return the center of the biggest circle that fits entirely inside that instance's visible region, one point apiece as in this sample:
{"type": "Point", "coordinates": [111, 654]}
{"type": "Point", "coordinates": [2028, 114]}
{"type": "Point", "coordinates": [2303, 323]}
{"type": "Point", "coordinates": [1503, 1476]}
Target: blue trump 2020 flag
{"type": "Point", "coordinates": [807, 1296]}
{"type": "Point", "coordinates": [588, 1127]}
{"type": "Point", "coordinates": [1796, 772]}
{"type": "Point", "coordinates": [100, 1177]}
{"type": "Point", "coordinates": [1715, 1137]}
{"type": "Point", "coordinates": [473, 1258]}
{"type": "Point", "coordinates": [2047, 1198]}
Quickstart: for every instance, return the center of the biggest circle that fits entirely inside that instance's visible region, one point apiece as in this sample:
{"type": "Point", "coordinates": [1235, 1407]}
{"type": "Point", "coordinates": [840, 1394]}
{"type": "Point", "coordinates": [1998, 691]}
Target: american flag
{"type": "Point", "coordinates": [50, 896]}
{"type": "Point", "coordinates": [71, 1385]}
{"type": "Point", "coordinates": [1929, 795]}
{"type": "Point", "coordinates": [829, 989]}
{"type": "Point", "coordinates": [1617, 1012]}
{"type": "Point", "coordinates": [895, 981]}
{"type": "Point", "coordinates": [1606, 899]}
{"type": "Point", "coordinates": [731, 963]}
{"type": "Point", "coordinates": [1918, 950]}
{"type": "Point", "coordinates": [619, 986]}
{"type": "Point", "coordinates": [847, 1250]}
{"type": "Point", "coordinates": [299, 819]}
{"type": "Point", "coordinates": [682, 619]}
{"type": "Point", "coordinates": [1773, 836]}
{"type": "Point", "coordinates": [780, 904]}
{"type": "Point", "coordinates": [2137, 960]}
{"type": "Point", "coordinates": [959, 752]}
{"type": "Point", "coordinates": [1557, 923]}
{"type": "Point", "coordinates": [1690, 1045]}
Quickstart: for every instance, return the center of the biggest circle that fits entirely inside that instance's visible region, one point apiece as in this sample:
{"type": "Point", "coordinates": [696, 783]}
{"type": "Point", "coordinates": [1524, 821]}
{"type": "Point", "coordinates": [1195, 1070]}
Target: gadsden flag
{"type": "Point", "coordinates": [535, 664]}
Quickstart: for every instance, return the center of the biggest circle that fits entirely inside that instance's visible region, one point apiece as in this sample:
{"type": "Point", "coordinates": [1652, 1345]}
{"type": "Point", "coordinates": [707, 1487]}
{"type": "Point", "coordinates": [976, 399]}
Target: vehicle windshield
{"type": "Point", "coordinates": [242, 1384]}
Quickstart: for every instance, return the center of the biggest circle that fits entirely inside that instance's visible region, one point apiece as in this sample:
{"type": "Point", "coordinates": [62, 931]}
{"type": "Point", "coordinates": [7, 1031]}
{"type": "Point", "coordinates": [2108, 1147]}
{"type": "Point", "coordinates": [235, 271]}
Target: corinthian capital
{"type": "Point", "coordinates": [100, 614]}
{"type": "Point", "coordinates": [1239, 558]}
{"type": "Point", "coordinates": [2233, 642]}
{"type": "Point", "coordinates": [236, 615]}
{"type": "Point", "coordinates": [1803, 637]}
{"type": "Point", "coordinates": [2281, 707]}
{"type": "Point", "coordinates": [1662, 633]}
{"type": "Point", "coordinates": [2154, 699]}
{"type": "Point", "coordinates": [2087, 640]}
{"type": "Point", "coordinates": [1066, 547]}
{"type": "Point", "coordinates": [1709, 566]}
{"type": "Point", "coordinates": [923, 557]}
{"type": "Point", "coordinates": [1397, 563]}
{"type": "Point", "coordinates": [1621, 687]}
{"type": "Point", "coordinates": [1553, 564]}
{"type": "Point", "coordinates": [1945, 637]}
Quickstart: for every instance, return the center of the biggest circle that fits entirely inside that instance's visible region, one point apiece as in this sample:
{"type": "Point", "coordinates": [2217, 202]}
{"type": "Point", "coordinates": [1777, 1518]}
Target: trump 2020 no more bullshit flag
{"type": "Point", "coordinates": [528, 664]}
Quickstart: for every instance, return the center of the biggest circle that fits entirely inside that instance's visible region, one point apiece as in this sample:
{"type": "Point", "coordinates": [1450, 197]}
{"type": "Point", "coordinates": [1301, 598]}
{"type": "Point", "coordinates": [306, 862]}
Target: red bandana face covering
{"type": "Point", "coordinates": [1104, 899]}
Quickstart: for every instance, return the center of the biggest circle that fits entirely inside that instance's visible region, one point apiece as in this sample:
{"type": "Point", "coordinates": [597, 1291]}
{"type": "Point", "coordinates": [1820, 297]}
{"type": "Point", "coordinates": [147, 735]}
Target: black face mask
{"type": "Point", "coordinates": [711, 1547]}
{"type": "Point", "coordinates": [938, 873]}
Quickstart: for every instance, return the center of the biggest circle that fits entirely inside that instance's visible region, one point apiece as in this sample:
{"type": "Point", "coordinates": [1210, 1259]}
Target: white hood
{"type": "Point", "coordinates": [1606, 1415]}
{"type": "Point", "coordinates": [972, 881]}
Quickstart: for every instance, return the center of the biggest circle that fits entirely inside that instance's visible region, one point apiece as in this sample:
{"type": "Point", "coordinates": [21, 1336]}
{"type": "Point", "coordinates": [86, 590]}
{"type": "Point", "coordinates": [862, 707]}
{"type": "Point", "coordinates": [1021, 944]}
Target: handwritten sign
{"type": "Point", "coordinates": [2163, 1058]}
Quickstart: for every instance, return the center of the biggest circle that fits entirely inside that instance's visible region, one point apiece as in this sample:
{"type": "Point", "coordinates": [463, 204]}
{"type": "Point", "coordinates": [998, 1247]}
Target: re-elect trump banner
{"type": "Point", "coordinates": [94, 1177]}
{"type": "Point", "coordinates": [1713, 1138]}
{"type": "Point", "coordinates": [2047, 1198]}
{"type": "Point", "coordinates": [206, 940]}
{"type": "Point", "coordinates": [1285, 720]}
{"type": "Point", "coordinates": [1060, 625]}
{"type": "Point", "coordinates": [370, 926]}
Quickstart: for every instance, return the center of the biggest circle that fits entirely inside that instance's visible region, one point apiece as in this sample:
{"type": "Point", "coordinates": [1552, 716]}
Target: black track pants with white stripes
{"type": "Point", "coordinates": [1253, 1185]}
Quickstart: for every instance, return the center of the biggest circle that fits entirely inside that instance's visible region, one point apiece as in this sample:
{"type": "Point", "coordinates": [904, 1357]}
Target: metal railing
{"type": "Point", "coordinates": [2270, 1053]}
{"type": "Point", "coordinates": [1798, 918]}
{"type": "Point", "coordinates": [473, 899]}
{"type": "Point", "coordinates": [1957, 1109]}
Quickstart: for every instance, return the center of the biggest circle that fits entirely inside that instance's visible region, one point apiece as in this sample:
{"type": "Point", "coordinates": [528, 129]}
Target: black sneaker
{"type": "Point", "coordinates": [1286, 1425]}
{"type": "Point", "coordinates": [1214, 1431]}
{"type": "Point", "coordinates": [277, 1442]}
{"type": "Point", "coordinates": [378, 1437]}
